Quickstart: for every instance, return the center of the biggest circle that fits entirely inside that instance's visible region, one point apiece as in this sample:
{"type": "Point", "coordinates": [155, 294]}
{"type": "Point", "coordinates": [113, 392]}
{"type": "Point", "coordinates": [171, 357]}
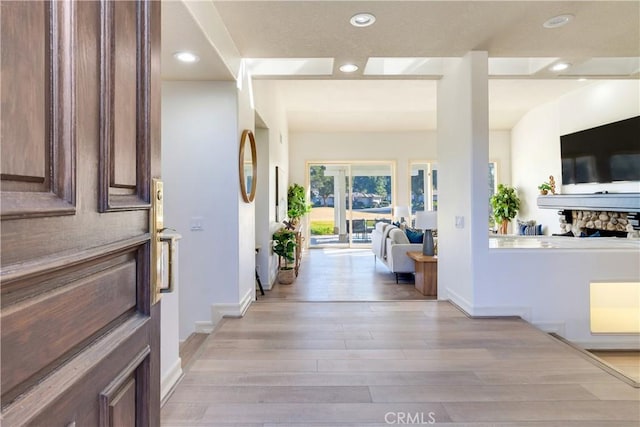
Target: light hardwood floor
{"type": "Point", "coordinates": [627, 362]}
{"type": "Point", "coordinates": [344, 275]}
{"type": "Point", "coordinates": [321, 364]}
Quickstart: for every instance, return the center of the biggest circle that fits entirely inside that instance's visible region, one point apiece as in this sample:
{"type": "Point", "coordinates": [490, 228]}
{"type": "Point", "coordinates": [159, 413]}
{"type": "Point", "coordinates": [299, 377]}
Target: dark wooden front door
{"type": "Point", "coordinates": [80, 145]}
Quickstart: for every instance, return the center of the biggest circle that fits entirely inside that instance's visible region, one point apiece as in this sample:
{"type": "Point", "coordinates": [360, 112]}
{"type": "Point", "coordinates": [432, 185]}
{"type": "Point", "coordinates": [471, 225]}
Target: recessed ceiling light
{"type": "Point", "coordinates": [348, 68]}
{"type": "Point", "coordinates": [582, 79]}
{"type": "Point", "coordinates": [560, 66]}
{"type": "Point", "coordinates": [184, 56]}
{"type": "Point", "coordinates": [362, 20]}
{"type": "Point", "coordinates": [558, 21]}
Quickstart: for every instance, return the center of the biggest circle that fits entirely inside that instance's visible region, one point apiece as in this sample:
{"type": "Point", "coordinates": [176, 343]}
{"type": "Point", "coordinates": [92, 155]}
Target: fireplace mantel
{"type": "Point", "coordinates": [614, 202]}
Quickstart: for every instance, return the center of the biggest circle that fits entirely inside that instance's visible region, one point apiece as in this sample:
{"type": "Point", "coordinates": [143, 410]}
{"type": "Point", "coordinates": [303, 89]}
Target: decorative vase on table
{"type": "Point", "coordinates": [427, 221]}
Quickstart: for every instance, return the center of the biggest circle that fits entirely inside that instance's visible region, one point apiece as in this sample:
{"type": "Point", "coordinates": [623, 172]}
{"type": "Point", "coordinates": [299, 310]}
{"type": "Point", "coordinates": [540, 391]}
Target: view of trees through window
{"type": "Point", "coordinates": [347, 200]}
{"type": "Point", "coordinates": [322, 188]}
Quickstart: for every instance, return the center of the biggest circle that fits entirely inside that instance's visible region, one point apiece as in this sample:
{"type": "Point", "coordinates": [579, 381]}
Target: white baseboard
{"type": "Point", "coordinates": [218, 311]}
{"type": "Point", "coordinates": [170, 379]}
{"type": "Point", "coordinates": [204, 327]}
{"type": "Point", "coordinates": [557, 327]}
{"type": "Point", "coordinates": [474, 311]}
{"type": "Point", "coordinates": [522, 312]}
{"type": "Point", "coordinates": [461, 302]}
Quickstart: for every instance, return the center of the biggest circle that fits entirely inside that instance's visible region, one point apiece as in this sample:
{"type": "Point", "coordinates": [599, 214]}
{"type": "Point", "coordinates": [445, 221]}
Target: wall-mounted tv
{"type": "Point", "coordinates": [606, 153]}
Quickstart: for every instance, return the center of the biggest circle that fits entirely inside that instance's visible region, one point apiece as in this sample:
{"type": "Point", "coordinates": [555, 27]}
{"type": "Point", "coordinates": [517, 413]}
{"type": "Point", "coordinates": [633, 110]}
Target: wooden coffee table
{"type": "Point", "coordinates": [426, 273]}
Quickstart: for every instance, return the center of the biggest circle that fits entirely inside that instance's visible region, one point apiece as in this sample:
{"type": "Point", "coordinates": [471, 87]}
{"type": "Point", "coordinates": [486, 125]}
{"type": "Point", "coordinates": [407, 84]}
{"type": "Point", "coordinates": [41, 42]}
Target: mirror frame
{"type": "Point", "coordinates": [243, 190]}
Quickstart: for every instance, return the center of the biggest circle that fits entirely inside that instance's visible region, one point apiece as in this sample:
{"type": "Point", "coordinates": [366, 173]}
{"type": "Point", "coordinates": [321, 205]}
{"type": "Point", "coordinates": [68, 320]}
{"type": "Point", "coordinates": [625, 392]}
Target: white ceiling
{"type": "Point", "coordinates": [382, 105]}
{"type": "Point", "coordinates": [339, 102]}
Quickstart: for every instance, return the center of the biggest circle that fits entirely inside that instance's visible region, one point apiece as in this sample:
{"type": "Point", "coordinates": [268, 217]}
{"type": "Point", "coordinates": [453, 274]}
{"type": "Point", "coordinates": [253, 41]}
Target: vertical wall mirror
{"type": "Point", "coordinates": [248, 166]}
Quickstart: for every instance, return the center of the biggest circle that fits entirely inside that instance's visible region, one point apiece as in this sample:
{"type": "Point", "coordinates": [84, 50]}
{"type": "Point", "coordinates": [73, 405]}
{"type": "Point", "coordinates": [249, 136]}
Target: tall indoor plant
{"type": "Point", "coordinates": [505, 204]}
{"type": "Point", "coordinates": [297, 205]}
{"type": "Point", "coordinates": [284, 245]}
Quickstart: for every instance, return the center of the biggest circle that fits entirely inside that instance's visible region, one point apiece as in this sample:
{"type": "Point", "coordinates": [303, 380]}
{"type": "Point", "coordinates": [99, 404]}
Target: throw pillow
{"type": "Point", "coordinates": [529, 228]}
{"type": "Point", "coordinates": [414, 236]}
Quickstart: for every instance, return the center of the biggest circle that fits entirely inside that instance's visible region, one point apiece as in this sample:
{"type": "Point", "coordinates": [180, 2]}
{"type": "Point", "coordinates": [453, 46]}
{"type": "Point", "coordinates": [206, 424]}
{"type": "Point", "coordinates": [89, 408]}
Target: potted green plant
{"type": "Point", "coordinates": [549, 186]}
{"type": "Point", "coordinates": [544, 188]}
{"type": "Point", "coordinates": [284, 245]}
{"type": "Point", "coordinates": [297, 205]}
{"type": "Point", "coordinates": [505, 204]}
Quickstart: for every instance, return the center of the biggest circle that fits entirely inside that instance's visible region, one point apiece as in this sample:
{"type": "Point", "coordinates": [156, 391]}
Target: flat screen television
{"type": "Point", "coordinates": [606, 153]}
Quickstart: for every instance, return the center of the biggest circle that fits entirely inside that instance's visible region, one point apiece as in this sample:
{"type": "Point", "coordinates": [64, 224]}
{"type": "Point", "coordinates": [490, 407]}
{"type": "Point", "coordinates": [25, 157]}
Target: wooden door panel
{"type": "Point", "coordinates": [29, 163]}
{"type": "Point", "coordinates": [100, 300]}
{"type": "Point", "coordinates": [80, 336]}
{"type": "Point", "coordinates": [125, 60]}
{"type": "Point", "coordinates": [121, 410]}
{"type": "Point", "coordinates": [124, 143]}
{"type": "Point", "coordinates": [76, 391]}
{"type": "Point", "coordinates": [37, 136]}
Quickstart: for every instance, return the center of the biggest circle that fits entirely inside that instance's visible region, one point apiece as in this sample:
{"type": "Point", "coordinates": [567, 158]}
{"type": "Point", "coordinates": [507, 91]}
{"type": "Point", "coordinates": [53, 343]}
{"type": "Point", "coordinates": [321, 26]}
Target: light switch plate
{"type": "Point", "coordinates": [196, 223]}
{"type": "Point", "coordinates": [459, 222]}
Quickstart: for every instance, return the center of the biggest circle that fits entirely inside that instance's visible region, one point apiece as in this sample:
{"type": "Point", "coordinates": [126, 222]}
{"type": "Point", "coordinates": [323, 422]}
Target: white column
{"type": "Point", "coordinates": [463, 156]}
{"type": "Point", "coordinates": [339, 205]}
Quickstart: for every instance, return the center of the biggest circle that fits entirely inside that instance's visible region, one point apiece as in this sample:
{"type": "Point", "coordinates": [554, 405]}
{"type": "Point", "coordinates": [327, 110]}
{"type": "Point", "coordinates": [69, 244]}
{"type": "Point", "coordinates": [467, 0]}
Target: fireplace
{"type": "Point", "coordinates": [600, 214]}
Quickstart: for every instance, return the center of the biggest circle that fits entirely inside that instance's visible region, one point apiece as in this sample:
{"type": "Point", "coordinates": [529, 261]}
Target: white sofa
{"type": "Point", "coordinates": [390, 245]}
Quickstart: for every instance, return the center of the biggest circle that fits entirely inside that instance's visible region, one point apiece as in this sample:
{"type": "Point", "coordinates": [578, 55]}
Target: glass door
{"type": "Point", "coordinates": [347, 200]}
{"type": "Point", "coordinates": [329, 185]}
{"type": "Point", "coordinates": [371, 199]}
{"type": "Point", "coordinates": [424, 187]}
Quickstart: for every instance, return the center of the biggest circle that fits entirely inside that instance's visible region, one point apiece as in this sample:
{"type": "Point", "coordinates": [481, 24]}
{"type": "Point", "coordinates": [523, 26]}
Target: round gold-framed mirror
{"type": "Point", "coordinates": [248, 166]}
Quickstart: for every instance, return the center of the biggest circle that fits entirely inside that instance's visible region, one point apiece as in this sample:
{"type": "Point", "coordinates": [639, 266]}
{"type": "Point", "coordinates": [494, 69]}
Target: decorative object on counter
{"type": "Point", "coordinates": [550, 185]}
{"type": "Point", "coordinates": [427, 221]}
{"type": "Point", "coordinates": [505, 204]}
{"type": "Point", "coordinates": [297, 204]}
{"type": "Point", "coordinates": [284, 245]}
{"type": "Point", "coordinates": [544, 188]}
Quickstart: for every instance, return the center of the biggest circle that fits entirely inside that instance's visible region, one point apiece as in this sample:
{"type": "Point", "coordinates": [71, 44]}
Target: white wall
{"type": "Point", "coordinates": [536, 141]}
{"type": "Point", "coordinates": [399, 147]}
{"type": "Point", "coordinates": [200, 172]}
{"type": "Point", "coordinates": [550, 288]}
{"type": "Point", "coordinates": [246, 214]}
{"type": "Point", "coordinates": [463, 147]}
{"type": "Point", "coordinates": [273, 151]}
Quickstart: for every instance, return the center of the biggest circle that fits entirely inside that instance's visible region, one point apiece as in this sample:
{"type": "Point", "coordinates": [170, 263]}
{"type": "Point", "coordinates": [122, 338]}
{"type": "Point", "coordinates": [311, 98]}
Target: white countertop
{"type": "Point", "coordinates": [561, 242]}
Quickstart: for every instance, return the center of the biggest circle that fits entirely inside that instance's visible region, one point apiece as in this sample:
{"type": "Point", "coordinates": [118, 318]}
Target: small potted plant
{"type": "Point", "coordinates": [550, 185]}
{"type": "Point", "coordinates": [284, 245]}
{"type": "Point", "coordinates": [505, 204]}
{"type": "Point", "coordinates": [544, 188]}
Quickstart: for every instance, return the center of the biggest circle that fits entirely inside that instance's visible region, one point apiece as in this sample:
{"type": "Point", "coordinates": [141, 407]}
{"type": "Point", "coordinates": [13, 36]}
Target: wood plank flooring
{"type": "Point", "coordinates": [190, 347]}
{"type": "Point", "coordinates": [627, 362]}
{"type": "Point", "coordinates": [344, 275]}
{"type": "Point", "coordinates": [321, 364]}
